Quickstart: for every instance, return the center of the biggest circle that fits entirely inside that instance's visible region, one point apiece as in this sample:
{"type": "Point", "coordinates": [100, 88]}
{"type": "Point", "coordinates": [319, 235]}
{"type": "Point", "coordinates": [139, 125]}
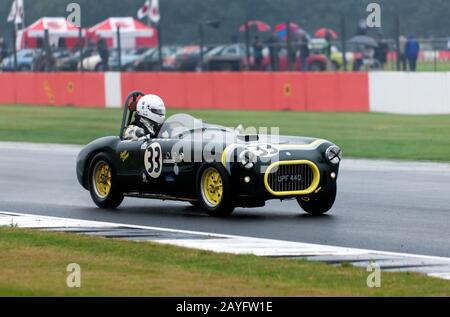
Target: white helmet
{"type": "Point", "coordinates": [152, 107]}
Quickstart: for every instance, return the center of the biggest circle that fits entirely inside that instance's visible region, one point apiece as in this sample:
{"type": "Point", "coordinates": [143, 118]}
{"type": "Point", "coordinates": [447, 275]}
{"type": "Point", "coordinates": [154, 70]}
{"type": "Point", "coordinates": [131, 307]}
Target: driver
{"type": "Point", "coordinates": [149, 117]}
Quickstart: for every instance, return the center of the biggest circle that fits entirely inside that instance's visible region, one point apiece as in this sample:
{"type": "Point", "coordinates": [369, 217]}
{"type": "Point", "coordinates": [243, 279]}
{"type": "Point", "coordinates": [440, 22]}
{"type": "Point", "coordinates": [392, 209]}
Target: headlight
{"type": "Point", "coordinates": [247, 159]}
{"type": "Point", "coordinates": [333, 155]}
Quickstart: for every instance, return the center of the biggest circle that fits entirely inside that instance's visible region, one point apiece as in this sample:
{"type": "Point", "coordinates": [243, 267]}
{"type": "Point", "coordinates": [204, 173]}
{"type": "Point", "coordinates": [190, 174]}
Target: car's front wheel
{"type": "Point", "coordinates": [318, 204]}
{"type": "Point", "coordinates": [104, 189]}
{"type": "Point", "coordinates": [214, 190]}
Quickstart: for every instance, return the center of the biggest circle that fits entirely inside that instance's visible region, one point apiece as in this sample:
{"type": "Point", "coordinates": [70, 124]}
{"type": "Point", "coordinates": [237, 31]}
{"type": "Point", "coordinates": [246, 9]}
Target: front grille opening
{"type": "Point", "coordinates": [291, 178]}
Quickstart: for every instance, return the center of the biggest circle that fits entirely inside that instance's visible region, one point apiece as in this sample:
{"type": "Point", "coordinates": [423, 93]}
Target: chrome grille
{"type": "Point", "coordinates": [290, 178]}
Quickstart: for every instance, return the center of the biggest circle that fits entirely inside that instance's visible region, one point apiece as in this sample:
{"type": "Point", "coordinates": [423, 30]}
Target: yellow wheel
{"type": "Point", "coordinates": [102, 179]}
{"type": "Point", "coordinates": [104, 188]}
{"type": "Point", "coordinates": [212, 187]}
{"type": "Point", "coordinates": [214, 190]}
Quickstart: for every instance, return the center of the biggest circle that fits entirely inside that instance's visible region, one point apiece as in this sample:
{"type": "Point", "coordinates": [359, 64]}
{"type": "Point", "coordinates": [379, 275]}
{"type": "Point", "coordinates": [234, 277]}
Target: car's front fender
{"type": "Point", "coordinates": [107, 145]}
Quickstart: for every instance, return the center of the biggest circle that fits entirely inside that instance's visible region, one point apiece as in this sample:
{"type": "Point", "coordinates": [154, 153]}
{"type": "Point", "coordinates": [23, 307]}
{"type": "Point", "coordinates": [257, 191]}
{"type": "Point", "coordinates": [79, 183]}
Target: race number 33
{"type": "Point", "coordinates": [153, 160]}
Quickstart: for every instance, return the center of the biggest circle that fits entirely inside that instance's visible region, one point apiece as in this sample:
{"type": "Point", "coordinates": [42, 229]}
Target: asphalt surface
{"type": "Point", "coordinates": [381, 205]}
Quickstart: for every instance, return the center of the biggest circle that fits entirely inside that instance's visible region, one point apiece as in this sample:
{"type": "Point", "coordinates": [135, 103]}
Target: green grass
{"type": "Point", "coordinates": [34, 264]}
{"type": "Point", "coordinates": [441, 66]}
{"type": "Point", "coordinates": [366, 135]}
{"type": "Point", "coordinates": [431, 67]}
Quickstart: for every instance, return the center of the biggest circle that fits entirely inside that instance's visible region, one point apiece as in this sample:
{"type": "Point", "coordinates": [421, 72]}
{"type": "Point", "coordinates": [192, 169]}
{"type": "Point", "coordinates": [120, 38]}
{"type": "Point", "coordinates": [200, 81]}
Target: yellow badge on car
{"type": "Point", "coordinates": [124, 155]}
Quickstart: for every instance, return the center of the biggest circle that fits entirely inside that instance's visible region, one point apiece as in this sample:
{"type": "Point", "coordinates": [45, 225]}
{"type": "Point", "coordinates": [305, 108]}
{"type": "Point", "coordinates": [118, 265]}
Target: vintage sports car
{"type": "Point", "coordinates": [210, 166]}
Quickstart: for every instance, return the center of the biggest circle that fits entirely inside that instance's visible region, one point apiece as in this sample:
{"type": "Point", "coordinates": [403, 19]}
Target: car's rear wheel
{"type": "Point", "coordinates": [318, 204]}
{"type": "Point", "coordinates": [214, 190]}
{"type": "Point", "coordinates": [104, 189]}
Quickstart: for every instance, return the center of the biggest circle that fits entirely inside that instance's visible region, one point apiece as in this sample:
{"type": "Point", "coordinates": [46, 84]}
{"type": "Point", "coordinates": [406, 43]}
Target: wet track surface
{"type": "Point", "coordinates": [381, 205]}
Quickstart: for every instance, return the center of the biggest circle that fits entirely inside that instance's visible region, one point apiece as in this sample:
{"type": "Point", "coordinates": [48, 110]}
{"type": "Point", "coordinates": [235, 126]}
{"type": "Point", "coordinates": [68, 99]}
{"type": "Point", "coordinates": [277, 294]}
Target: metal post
{"type": "Point", "coordinates": [435, 53]}
{"type": "Point", "coordinates": [344, 43]}
{"type": "Point", "coordinates": [289, 45]}
{"type": "Point", "coordinates": [160, 45]}
{"type": "Point", "coordinates": [119, 49]}
{"type": "Point", "coordinates": [247, 42]}
{"type": "Point", "coordinates": [397, 41]}
{"type": "Point", "coordinates": [81, 44]}
{"type": "Point", "coordinates": [48, 50]}
{"type": "Point", "coordinates": [15, 48]}
{"type": "Point", "coordinates": [202, 44]}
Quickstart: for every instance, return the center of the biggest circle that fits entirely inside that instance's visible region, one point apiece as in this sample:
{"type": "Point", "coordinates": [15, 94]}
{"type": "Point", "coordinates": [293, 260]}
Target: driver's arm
{"type": "Point", "coordinates": [133, 133]}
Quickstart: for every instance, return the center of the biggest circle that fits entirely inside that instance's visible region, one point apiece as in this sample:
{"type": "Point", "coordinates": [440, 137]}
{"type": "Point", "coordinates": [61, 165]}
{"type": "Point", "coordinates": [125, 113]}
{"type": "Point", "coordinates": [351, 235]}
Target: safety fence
{"type": "Point", "coordinates": [391, 92]}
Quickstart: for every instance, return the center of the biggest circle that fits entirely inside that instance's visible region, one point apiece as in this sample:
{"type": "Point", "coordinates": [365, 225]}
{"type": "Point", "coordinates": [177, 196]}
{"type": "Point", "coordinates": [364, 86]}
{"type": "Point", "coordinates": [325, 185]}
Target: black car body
{"type": "Point", "coordinates": [242, 170]}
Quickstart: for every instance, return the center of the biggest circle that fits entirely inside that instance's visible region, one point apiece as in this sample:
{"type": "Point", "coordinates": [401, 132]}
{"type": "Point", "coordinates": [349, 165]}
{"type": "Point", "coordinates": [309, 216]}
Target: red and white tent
{"type": "Point", "coordinates": [133, 33]}
{"type": "Point", "coordinates": [58, 28]}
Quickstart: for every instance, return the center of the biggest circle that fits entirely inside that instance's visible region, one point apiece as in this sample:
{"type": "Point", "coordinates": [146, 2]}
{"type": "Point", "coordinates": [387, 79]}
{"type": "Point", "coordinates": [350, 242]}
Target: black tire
{"type": "Point", "coordinates": [114, 195]}
{"type": "Point", "coordinates": [225, 206]}
{"type": "Point", "coordinates": [318, 204]}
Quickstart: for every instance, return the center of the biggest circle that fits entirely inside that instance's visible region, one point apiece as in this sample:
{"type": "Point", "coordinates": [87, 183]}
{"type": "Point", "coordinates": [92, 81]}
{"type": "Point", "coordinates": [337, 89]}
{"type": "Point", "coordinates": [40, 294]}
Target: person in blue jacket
{"type": "Point", "coordinates": [412, 50]}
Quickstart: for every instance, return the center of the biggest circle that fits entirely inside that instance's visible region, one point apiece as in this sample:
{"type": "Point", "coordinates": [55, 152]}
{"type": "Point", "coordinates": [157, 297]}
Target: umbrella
{"type": "Point", "coordinates": [363, 40]}
{"type": "Point", "coordinates": [323, 32]}
{"type": "Point", "coordinates": [281, 29]}
{"type": "Point", "coordinates": [259, 25]}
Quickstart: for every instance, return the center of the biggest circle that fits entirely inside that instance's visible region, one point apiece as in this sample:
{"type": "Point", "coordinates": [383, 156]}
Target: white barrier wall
{"type": "Point", "coordinates": [409, 93]}
{"type": "Point", "coordinates": [113, 90]}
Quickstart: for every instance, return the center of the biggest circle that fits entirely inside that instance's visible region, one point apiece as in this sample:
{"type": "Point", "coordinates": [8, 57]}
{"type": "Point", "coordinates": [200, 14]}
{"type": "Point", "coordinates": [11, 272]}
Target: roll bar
{"type": "Point", "coordinates": [129, 109]}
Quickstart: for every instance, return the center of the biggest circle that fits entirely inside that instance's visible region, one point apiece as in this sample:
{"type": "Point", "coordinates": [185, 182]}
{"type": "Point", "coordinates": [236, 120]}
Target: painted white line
{"type": "Point", "coordinates": [221, 243]}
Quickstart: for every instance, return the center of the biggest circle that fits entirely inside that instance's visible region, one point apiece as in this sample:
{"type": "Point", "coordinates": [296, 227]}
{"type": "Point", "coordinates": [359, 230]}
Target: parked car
{"type": "Point", "coordinates": [187, 58]}
{"type": "Point", "coordinates": [25, 60]}
{"type": "Point", "coordinates": [229, 58]}
{"type": "Point", "coordinates": [149, 61]}
{"type": "Point", "coordinates": [70, 63]}
{"type": "Point", "coordinates": [128, 57]}
{"type": "Point", "coordinates": [40, 62]}
{"type": "Point", "coordinates": [92, 63]}
{"type": "Point", "coordinates": [318, 61]}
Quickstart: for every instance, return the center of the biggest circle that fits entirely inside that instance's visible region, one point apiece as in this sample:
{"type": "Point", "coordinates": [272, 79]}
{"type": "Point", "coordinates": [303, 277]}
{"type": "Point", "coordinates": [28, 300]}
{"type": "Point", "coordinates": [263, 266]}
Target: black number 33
{"type": "Point", "coordinates": [153, 160]}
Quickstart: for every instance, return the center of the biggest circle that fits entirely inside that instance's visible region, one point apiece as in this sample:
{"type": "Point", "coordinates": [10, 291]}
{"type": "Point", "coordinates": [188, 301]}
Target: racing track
{"type": "Point", "coordinates": [381, 205]}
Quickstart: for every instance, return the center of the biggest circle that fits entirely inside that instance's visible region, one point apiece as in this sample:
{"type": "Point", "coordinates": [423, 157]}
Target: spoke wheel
{"type": "Point", "coordinates": [104, 188]}
{"type": "Point", "coordinates": [102, 179]}
{"type": "Point", "coordinates": [212, 187]}
{"type": "Point", "coordinates": [214, 190]}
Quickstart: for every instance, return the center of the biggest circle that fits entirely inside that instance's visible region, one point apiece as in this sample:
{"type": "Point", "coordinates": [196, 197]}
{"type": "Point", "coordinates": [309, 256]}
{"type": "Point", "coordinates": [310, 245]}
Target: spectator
{"type": "Point", "coordinates": [3, 49]}
{"type": "Point", "coordinates": [381, 51]}
{"type": "Point", "coordinates": [274, 50]}
{"type": "Point", "coordinates": [48, 57]}
{"type": "Point", "coordinates": [292, 52]}
{"type": "Point", "coordinates": [258, 52]}
{"type": "Point", "coordinates": [304, 52]}
{"type": "Point", "coordinates": [103, 52]}
{"type": "Point", "coordinates": [412, 50]}
{"type": "Point", "coordinates": [328, 49]}
{"type": "Point", "coordinates": [402, 48]}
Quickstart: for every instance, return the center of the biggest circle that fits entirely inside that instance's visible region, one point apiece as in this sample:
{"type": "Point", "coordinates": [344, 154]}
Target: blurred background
{"type": "Point", "coordinates": [219, 35]}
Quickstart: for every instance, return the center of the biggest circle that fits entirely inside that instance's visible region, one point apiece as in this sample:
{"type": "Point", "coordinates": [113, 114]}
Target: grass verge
{"type": "Point", "coordinates": [366, 135]}
{"type": "Point", "coordinates": [34, 264]}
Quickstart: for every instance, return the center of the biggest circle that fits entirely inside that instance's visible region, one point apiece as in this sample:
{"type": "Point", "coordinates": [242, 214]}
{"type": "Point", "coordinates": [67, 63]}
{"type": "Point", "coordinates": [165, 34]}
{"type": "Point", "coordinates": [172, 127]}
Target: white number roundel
{"type": "Point", "coordinates": [153, 160]}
